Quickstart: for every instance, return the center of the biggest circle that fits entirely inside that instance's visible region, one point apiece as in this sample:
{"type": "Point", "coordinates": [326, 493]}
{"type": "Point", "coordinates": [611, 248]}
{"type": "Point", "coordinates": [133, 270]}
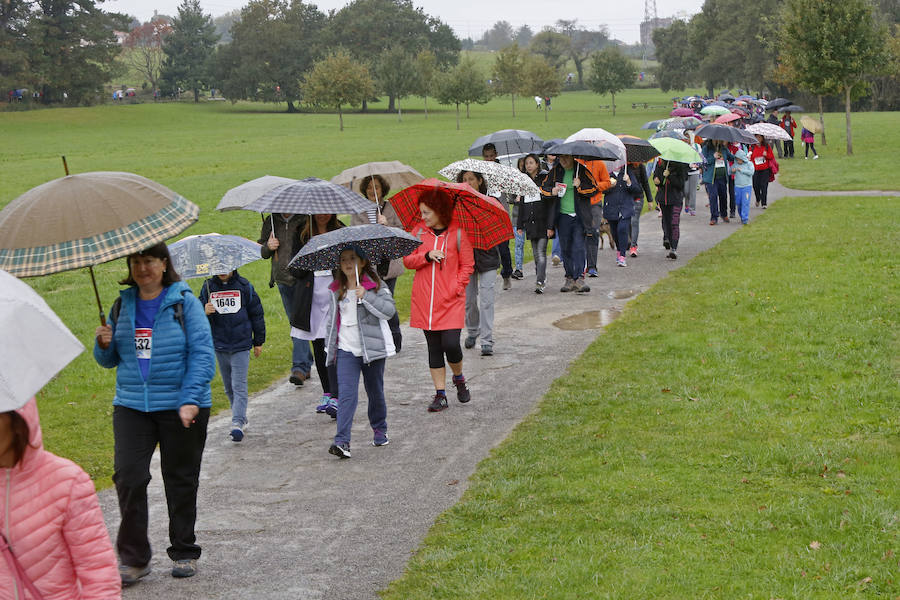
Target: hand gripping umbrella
{"type": "Point", "coordinates": [87, 219]}
{"type": "Point", "coordinates": [499, 178]}
{"type": "Point", "coordinates": [482, 217]}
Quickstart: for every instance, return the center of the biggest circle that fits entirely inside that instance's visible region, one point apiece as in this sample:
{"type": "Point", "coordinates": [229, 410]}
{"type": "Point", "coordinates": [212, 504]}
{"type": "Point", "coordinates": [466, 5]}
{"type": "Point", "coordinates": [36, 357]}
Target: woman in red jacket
{"type": "Point", "coordinates": [443, 264]}
{"type": "Point", "coordinates": [760, 155]}
{"type": "Point", "coordinates": [51, 519]}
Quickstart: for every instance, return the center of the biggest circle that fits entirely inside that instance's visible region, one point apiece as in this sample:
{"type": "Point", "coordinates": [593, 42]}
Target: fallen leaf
{"type": "Point", "coordinates": [666, 390]}
{"type": "Point", "coordinates": [692, 399]}
{"type": "Point", "coordinates": [815, 545]}
{"type": "Point", "coordinates": [454, 482]}
{"type": "Point", "coordinates": [887, 554]}
{"type": "Point", "coordinates": [763, 507]}
{"type": "Point", "coordinates": [745, 480]}
{"type": "Point", "coordinates": [841, 474]}
{"type": "Point", "coordinates": [864, 581]}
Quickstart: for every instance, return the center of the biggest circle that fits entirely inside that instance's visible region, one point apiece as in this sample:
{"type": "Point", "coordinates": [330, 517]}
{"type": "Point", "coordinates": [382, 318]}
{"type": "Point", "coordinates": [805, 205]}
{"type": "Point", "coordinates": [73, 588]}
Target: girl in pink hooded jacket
{"type": "Point", "coordinates": [50, 517]}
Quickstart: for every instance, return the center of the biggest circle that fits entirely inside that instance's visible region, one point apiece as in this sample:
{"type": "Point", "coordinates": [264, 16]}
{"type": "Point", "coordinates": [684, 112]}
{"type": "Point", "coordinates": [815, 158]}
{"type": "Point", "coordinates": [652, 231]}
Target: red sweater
{"type": "Point", "coordinates": [760, 156]}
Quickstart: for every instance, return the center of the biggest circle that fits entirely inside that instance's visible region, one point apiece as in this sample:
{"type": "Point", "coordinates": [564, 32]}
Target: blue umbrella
{"type": "Point", "coordinates": [212, 254]}
{"type": "Point", "coordinates": [379, 242]}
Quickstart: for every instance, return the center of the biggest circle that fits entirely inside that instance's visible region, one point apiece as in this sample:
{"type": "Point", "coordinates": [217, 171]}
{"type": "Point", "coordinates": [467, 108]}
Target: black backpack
{"type": "Point", "coordinates": [178, 309]}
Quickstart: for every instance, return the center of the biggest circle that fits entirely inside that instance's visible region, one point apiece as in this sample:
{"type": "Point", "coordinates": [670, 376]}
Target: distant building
{"type": "Point", "coordinates": [647, 27]}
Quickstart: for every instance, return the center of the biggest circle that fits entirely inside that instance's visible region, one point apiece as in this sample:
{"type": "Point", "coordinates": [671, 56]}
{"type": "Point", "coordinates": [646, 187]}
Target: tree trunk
{"type": "Point", "coordinates": [613, 96]}
{"type": "Point", "coordinates": [426, 107]}
{"type": "Point", "coordinates": [822, 121]}
{"type": "Point", "coordinates": [457, 116]}
{"type": "Point", "coordinates": [391, 99]}
{"type": "Point", "coordinates": [196, 94]}
{"type": "Point", "coordinates": [579, 69]}
{"type": "Point", "coordinates": [291, 108]}
{"type": "Point", "coordinates": [399, 111]}
{"type": "Point", "coordinates": [365, 106]}
{"type": "Point", "coordinates": [340, 117]}
{"type": "Point", "coordinates": [467, 111]}
{"type": "Point", "coordinates": [513, 96]}
{"type": "Point", "coordinates": [847, 112]}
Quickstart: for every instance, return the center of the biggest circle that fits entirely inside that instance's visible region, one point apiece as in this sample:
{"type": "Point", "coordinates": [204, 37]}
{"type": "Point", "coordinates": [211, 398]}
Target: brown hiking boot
{"type": "Point", "coordinates": [568, 286]}
{"type": "Point", "coordinates": [581, 287]}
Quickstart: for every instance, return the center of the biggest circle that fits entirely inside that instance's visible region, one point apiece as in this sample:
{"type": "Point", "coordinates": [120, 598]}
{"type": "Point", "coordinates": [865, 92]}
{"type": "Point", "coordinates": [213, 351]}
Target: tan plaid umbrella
{"type": "Point", "coordinates": [86, 219]}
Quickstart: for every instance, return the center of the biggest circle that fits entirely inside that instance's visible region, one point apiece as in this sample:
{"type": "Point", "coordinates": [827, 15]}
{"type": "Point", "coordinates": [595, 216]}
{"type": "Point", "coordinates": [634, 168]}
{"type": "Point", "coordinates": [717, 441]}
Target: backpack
{"type": "Point", "coordinates": [178, 309]}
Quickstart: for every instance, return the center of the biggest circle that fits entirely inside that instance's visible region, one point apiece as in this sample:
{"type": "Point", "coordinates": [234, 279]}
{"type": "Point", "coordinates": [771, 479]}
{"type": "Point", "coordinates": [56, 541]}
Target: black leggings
{"type": "Point", "coordinates": [327, 375]}
{"type": "Point", "coordinates": [445, 341]}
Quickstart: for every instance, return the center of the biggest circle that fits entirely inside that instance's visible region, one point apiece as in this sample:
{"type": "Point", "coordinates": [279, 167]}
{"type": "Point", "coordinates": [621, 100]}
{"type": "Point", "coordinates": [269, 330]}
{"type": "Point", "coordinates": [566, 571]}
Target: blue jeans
{"type": "Point", "coordinates": [349, 368]}
{"type": "Point", "coordinates": [717, 191]}
{"type": "Point", "coordinates": [634, 224]}
{"type": "Point", "coordinates": [570, 231]}
{"type": "Point", "coordinates": [234, 366]}
{"type": "Point", "coordinates": [301, 357]}
{"type": "Point", "coordinates": [520, 249]}
{"type": "Point", "coordinates": [555, 247]}
{"type": "Point", "coordinates": [742, 197]}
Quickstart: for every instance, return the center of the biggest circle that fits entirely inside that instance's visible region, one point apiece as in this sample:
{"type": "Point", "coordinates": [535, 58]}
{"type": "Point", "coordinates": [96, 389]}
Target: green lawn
{"type": "Point", "coordinates": [203, 150]}
{"type": "Point", "coordinates": [741, 443]}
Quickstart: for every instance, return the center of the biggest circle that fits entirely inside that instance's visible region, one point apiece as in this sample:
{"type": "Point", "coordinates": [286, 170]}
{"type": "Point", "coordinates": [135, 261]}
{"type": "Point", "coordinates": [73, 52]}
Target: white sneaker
{"type": "Point", "coordinates": [805, 158]}
{"type": "Point", "coordinates": [815, 157]}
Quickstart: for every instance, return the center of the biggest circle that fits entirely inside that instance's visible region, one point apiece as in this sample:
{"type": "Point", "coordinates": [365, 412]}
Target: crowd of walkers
{"type": "Point", "coordinates": [164, 342]}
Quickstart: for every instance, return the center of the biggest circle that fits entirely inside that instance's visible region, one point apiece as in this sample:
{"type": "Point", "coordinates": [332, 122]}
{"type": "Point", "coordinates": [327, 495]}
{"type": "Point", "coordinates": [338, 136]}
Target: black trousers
{"type": "Point", "coordinates": [394, 322]}
{"type": "Point", "coordinates": [136, 436]}
{"type": "Point", "coordinates": [327, 375]}
{"type": "Point", "coordinates": [731, 202]}
{"type": "Point", "coordinates": [505, 260]}
{"type": "Point", "coordinates": [761, 185]}
{"type": "Point", "coordinates": [789, 149]}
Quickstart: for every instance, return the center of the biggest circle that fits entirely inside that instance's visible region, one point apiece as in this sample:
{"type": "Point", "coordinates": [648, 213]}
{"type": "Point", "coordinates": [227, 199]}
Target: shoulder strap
{"type": "Point", "coordinates": [178, 309]}
{"type": "Point", "coordinates": [115, 310]}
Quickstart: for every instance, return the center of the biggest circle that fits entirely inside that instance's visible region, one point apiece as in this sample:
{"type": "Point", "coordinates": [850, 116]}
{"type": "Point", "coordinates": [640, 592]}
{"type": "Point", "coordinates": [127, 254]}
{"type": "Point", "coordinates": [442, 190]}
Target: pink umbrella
{"type": "Point", "coordinates": [727, 118]}
{"type": "Point", "coordinates": [682, 112]}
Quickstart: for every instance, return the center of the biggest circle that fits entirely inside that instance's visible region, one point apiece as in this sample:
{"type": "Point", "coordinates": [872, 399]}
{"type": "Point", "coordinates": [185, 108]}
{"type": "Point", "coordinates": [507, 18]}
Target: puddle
{"type": "Point", "coordinates": [592, 319]}
{"type": "Point", "coordinates": [622, 294]}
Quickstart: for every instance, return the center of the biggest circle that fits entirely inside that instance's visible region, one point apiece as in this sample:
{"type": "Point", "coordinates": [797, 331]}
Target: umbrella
{"type": "Point", "coordinates": [499, 178]}
{"type": "Point", "coordinates": [773, 132]}
{"type": "Point", "coordinates": [682, 112]}
{"type": "Point", "coordinates": [680, 123]}
{"type": "Point", "coordinates": [589, 151]}
{"type": "Point", "coordinates": [811, 124]}
{"type": "Point", "coordinates": [727, 118]}
{"type": "Point", "coordinates": [212, 254]}
{"type": "Point", "coordinates": [28, 362]}
{"type": "Point", "coordinates": [596, 135]}
{"type": "Point", "coordinates": [508, 141]}
{"type": "Point", "coordinates": [482, 217]}
{"type": "Point", "coordinates": [676, 134]}
{"type": "Point", "coordinates": [86, 219]}
{"type": "Point", "coordinates": [714, 109]}
{"type": "Point", "coordinates": [792, 108]}
{"type": "Point", "coordinates": [550, 144]}
{"type": "Point", "coordinates": [676, 151]}
{"type": "Point", "coordinates": [379, 242]}
{"type": "Point", "coordinates": [637, 149]}
{"type": "Point", "coordinates": [724, 133]}
{"type": "Point", "coordinates": [310, 196]}
{"type": "Point", "coordinates": [395, 173]}
{"type": "Point", "coordinates": [653, 124]}
{"type": "Point", "coordinates": [238, 197]}
{"type": "Point", "coordinates": [777, 103]}
{"type": "Point", "coordinates": [726, 97]}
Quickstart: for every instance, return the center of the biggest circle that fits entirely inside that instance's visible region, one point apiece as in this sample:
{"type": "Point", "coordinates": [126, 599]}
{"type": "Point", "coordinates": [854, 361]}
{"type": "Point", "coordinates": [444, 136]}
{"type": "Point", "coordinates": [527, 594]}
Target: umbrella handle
{"type": "Point", "coordinates": [97, 296]}
{"type": "Point", "coordinates": [356, 269]}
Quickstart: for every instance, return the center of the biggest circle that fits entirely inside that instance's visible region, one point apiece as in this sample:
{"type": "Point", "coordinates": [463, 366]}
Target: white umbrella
{"type": "Point", "coordinates": [238, 197]}
{"type": "Point", "coordinates": [37, 345]}
{"type": "Point", "coordinates": [768, 130]}
{"type": "Point", "coordinates": [596, 135]}
{"type": "Point", "coordinates": [498, 177]}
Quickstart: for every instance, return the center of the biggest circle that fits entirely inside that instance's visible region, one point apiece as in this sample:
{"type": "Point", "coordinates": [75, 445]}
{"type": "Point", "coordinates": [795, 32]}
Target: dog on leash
{"type": "Point", "coordinates": [604, 230]}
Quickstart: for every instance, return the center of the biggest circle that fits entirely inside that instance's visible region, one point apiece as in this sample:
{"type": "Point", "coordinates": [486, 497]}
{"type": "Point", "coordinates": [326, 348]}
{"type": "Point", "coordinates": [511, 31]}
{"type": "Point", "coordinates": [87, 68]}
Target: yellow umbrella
{"type": "Point", "coordinates": [811, 124]}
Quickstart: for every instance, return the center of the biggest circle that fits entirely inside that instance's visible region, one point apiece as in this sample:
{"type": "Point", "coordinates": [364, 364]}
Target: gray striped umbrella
{"type": "Point", "coordinates": [310, 196]}
{"type": "Point", "coordinates": [379, 242]}
{"type": "Point", "coordinates": [238, 197]}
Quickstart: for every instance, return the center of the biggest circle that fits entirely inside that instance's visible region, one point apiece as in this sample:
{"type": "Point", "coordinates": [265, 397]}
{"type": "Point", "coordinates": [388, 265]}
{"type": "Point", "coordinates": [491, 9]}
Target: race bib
{"type": "Point", "coordinates": [143, 342]}
{"type": "Point", "coordinates": [720, 164]}
{"type": "Point", "coordinates": [759, 160]}
{"type": "Point", "coordinates": [323, 273]}
{"type": "Point", "coordinates": [227, 302]}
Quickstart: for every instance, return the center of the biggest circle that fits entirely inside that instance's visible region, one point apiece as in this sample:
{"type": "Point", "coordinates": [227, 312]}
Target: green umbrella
{"type": "Point", "coordinates": [676, 150]}
{"type": "Point", "coordinates": [714, 109]}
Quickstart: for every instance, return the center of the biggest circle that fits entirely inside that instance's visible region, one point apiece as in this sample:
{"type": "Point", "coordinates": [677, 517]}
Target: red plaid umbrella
{"type": "Point", "coordinates": [482, 217]}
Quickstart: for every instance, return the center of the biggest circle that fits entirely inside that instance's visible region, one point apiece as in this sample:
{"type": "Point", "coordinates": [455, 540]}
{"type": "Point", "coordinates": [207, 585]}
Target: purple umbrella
{"type": "Point", "coordinates": [682, 112]}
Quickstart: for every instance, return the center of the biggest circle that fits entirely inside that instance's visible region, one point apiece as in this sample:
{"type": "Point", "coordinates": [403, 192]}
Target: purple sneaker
{"type": "Point", "coordinates": [331, 409]}
{"type": "Point", "coordinates": [323, 407]}
{"type": "Point", "coordinates": [380, 438]}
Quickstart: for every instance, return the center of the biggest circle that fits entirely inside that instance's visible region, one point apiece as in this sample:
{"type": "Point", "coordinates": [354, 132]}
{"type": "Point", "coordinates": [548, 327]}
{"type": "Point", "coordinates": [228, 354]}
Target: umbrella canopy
{"type": "Point", "coordinates": [508, 141]}
{"type": "Point", "coordinates": [653, 124]}
{"type": "Point", "coordinates": [379, 242]}
{"type": "Point", "coordinates": [777, 103]}
{"type": "Point", "coordinates": [812, 124]}
{"type": "Point", "coordinates": [550, 143]}
{"type": "Point", "coordinates": [680, 123]}
{"type": "Point", "coordinates": [724, 133]}
{"type": "Point", "coordinates": [682, 112]}
{"type": "Point", "coordinates": [238, 197]}
{"type": "Point", "coordinates": [726, 97]}
{"type": "Point", "coordinates": [310, 196]}
{"type": "Point", "coordinates": [397, 174]}
{"type": "Point", "coordinates": [86, 219]}
{"type": "Point", "coordinates": [792, 108]}
{"type": "Point", "coordinates": [722, 119]}
{"type": "Point", "coordinates": [589, 151]}
{"type": "Point", "coordinates": [675, 134]}
{"type": "Point", "coordinates": [499, 178]}
{"type": "Point", "coordinates": [768, 130]}
{"type": "Point", "coordinates": [28, 362]}
{"type": "Point", "coordinates": [482, 217]}
{"type": "Point", "coordinates": [638, 149]}
{"type": "Point", "coordinates": [596, 135]}
{"type": "Point", "coordinates": [212, 254]}
{"type": "Point", "coordinates": [676, 151]}
{"type": "Point", "coordinates": [714, 109]}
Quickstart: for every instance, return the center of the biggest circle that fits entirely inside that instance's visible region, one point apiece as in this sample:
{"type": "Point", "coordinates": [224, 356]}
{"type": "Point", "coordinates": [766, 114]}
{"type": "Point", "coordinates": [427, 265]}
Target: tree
{"type": "Point", "coordinates": [14, 66]}
{"type": "Point", "coordinates": [509, 69]}
{"type": "Point", "coordinates": [523, 36]}
{"type": "Point", "coordinates": [676, 60]}
{"type": "Point", "coordinates": [611, 72]}
{"type": "Point", "coordinates": [146, 55]}
{"type": "Point", "coordinates": [552, 45]}
{"type": "Point", "coordinates": [224, 23]}
{"type": "Point", "coordinates": [426, 72]}
{"type": "Point", "coordinates": [465, 84]}
{"type": "Point", "coordinates": [396, 74]}
{"type": "Point", "coordinates": [541, 79]}
{"type": "Point", "coordinates": [189, 48]}
{"type": "Point", "coordinates": [497, 37]}
{"type": "Point", "coordinates": [581, 44]}
{"type": "Point", "coordinates": [338, 80]}
{"type": "Point", "coordinates": [832, 45]}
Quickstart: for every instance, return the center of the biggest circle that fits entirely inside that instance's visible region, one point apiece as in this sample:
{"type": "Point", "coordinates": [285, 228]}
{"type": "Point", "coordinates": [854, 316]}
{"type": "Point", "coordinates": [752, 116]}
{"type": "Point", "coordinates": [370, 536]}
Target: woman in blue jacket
{"type": "Point", "coordinates": [158, 339]}
{"type": "Point", "coordinates": [618, 208]}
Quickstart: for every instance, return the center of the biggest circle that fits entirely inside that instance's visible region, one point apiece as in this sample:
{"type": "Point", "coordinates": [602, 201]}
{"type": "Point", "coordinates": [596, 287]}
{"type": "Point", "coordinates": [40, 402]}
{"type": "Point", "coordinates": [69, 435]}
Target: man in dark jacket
{"type": "Point", "coordinates": [569, 195]}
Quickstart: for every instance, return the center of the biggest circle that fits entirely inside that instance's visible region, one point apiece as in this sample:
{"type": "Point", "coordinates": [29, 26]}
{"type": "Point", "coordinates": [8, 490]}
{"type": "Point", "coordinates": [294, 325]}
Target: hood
{"type": "Point", "coordinates": [741, 155]}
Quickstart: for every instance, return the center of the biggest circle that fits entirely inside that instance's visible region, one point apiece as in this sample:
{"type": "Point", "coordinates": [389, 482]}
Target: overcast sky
{"type": "Point", "coordinates": [470, 18]}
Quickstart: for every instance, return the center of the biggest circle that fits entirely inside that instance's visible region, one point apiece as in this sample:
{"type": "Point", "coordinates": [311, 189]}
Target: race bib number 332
{"type": "Point", "coordinates": [227, 302]}
{"type": "Point", "coordinates": [143, 342]}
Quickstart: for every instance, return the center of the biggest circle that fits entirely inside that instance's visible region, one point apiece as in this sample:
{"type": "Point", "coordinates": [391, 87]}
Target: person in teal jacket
{"type": "Point", "coordinates": [743, 184]}
{"type": "Point", "coordinates": [159, 341]}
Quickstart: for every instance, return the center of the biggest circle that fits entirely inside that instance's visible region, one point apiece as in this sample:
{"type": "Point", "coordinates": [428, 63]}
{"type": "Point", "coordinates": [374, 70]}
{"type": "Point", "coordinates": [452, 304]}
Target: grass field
{"type": "Point", "coordinates": [203, 150]}
{"type": "Point", "coordinates": [732, 435]}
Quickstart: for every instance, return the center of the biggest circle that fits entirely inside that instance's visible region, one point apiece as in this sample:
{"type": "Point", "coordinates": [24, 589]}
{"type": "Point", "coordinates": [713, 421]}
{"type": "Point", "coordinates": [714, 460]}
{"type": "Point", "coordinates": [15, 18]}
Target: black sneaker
{"type": "Point", "coordinates": [666, 244]}
{"type": "Point", "coordinates": [340, 450]}
{"type": "Point", "coordinates": [462, 391]}
{"type": "Point", "coordinates": [470, 342]}
{"type": "Point", "coordinates": [672, 255]}
{"type": "Point", "coordinates": [517, 274]}
{"type": "Point", "coordinates": [487, 350]}
{"type": "Point", "coordinates": [186, 567]}
{"type": "Point", "coordinates": [440, 402]}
